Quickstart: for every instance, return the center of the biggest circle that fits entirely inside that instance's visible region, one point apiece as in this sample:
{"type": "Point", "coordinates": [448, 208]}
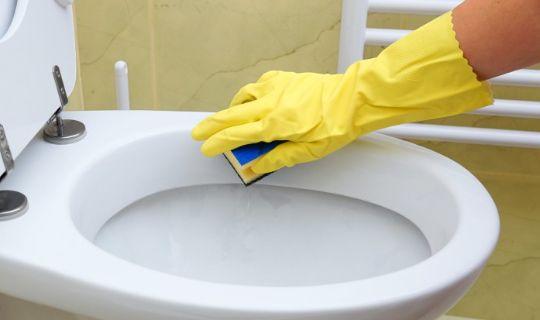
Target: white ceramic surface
{"type": "Point", "coordinates": [35, 35]}
{"type": "Point", "coordinates": [48, 255]}
{"type": "Point", "coordinates": [17, 309]}
{"type": "Point", "coordinates": [7, 11]}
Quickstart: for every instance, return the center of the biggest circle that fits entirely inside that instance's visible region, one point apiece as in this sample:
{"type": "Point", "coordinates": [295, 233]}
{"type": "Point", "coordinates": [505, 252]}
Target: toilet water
{"type": "Point", "coordinates": [262, 235]}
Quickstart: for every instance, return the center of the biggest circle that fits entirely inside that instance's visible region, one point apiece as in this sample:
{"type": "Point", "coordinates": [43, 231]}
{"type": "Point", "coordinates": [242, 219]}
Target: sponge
{"type": "Point", "coordinates": [243, 157]}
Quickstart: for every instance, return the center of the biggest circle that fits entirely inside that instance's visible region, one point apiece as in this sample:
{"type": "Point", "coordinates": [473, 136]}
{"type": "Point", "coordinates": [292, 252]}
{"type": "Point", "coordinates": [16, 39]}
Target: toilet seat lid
{"type": "Point", "coordinates": [40, 35]}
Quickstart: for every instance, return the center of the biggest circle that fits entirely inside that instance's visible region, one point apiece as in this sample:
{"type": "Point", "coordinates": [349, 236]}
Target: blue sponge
{"type": "Point", "coordinates": [246, 154]}
{"type": "Point", "coordinates": [242, 157]}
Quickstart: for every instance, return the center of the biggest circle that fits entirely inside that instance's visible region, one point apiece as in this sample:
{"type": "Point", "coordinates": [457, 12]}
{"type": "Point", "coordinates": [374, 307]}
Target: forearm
{"type": "Point", "coordinates": [498, 36]}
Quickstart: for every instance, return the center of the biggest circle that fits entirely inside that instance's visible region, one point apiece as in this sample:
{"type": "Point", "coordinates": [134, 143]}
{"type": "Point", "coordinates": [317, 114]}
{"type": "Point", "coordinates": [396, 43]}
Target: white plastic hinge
{"type": "Point", "coordinates": [64, 3]}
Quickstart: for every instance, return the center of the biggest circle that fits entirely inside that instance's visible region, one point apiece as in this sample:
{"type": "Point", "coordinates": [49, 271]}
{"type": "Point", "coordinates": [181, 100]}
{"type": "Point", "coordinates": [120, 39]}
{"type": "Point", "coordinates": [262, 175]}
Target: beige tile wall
{"type": "Point", "coordinates": [194, 54]}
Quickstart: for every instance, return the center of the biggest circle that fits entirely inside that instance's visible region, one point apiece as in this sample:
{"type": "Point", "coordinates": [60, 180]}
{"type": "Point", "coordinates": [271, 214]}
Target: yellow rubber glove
{"type": "Point", "coordinates": [422, 76]}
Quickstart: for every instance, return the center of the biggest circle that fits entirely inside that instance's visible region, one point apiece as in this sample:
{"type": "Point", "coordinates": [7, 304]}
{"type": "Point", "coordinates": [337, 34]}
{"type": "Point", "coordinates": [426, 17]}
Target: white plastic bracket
{"type": "Point", "coordinates": [122, 85]}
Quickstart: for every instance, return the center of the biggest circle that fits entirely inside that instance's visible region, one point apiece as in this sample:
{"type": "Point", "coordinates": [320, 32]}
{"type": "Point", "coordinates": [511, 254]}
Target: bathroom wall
{"type": "Point", "coordinates": [194, 54]}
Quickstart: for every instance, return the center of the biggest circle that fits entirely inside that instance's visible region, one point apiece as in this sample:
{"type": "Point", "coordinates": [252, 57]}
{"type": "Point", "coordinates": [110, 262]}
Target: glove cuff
{"type": "Point", "coordinates": [421, 76]}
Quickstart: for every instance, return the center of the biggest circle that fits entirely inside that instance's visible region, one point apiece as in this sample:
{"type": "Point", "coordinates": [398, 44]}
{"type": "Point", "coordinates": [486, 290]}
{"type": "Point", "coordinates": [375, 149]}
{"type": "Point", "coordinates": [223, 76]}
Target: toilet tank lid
{"type": "Point", "coordinates": [40, 36]}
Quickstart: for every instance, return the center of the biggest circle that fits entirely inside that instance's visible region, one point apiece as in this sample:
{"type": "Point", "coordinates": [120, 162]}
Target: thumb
{"type": "Point", "coordinates": [286, 154]}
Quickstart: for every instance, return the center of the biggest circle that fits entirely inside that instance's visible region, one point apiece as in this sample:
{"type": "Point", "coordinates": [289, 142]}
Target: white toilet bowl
{"type": "Point", "coordinates": [132, 222]}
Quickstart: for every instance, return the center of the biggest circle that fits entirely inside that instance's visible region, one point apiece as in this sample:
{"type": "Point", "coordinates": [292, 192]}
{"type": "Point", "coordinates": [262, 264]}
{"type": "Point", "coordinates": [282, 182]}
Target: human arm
{"type": "Point", "coordinates": [497, 36]}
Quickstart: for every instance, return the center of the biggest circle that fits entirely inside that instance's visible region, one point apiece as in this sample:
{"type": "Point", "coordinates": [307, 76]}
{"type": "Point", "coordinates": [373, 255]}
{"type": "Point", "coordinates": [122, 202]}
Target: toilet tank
{"type": "Point", "coordinates": [35, 36]}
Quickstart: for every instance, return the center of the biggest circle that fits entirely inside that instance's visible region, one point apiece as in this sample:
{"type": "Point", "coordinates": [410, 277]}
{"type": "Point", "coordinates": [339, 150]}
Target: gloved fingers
{"type": "Point", "coordinates": [258, 89]}
{"type": "Point", "coordinates": [286, 154]}
{"type": "Point", "coordinates": [250, 92]}
{"type": "Point", "coordinates": [233, 137]}
{"type": "Point", "coordinates": [230, 117]}
{"type": "Point", "coordinates": [269, 75]}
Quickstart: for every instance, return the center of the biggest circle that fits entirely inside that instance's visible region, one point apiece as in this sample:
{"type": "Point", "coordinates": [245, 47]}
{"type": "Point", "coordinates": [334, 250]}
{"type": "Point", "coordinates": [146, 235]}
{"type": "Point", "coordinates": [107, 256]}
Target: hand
{"type": "Point", "coordinates": [301, 108]}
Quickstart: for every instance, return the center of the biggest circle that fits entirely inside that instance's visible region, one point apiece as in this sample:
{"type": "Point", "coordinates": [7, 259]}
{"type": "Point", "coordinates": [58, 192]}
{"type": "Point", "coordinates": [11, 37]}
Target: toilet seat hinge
{"type": "Point", "coordinates": [7, 157]}
{"type": "Point", "coordinates": [57, 75]}
{"type": "Point", "coordinates": [12, 203]}
{"type": "Point", "coordinates": [58, 130]}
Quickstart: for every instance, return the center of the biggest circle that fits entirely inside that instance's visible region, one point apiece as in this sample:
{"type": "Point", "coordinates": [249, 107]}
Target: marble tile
{"type": "Point", "coordinates": [207, 50]}
{"type": "Point", "coordinates": [76, 102]}
{"type": "Point", "coordinates": [397, 21]}
{"type": "Point", "coordinates": [109, 31]}
{"type": "Point", "coordinates": [16, 309]}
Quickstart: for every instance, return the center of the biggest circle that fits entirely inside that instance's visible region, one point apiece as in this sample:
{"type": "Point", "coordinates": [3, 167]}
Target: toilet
{"type": "Point", "coordinates": [120, 217]}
